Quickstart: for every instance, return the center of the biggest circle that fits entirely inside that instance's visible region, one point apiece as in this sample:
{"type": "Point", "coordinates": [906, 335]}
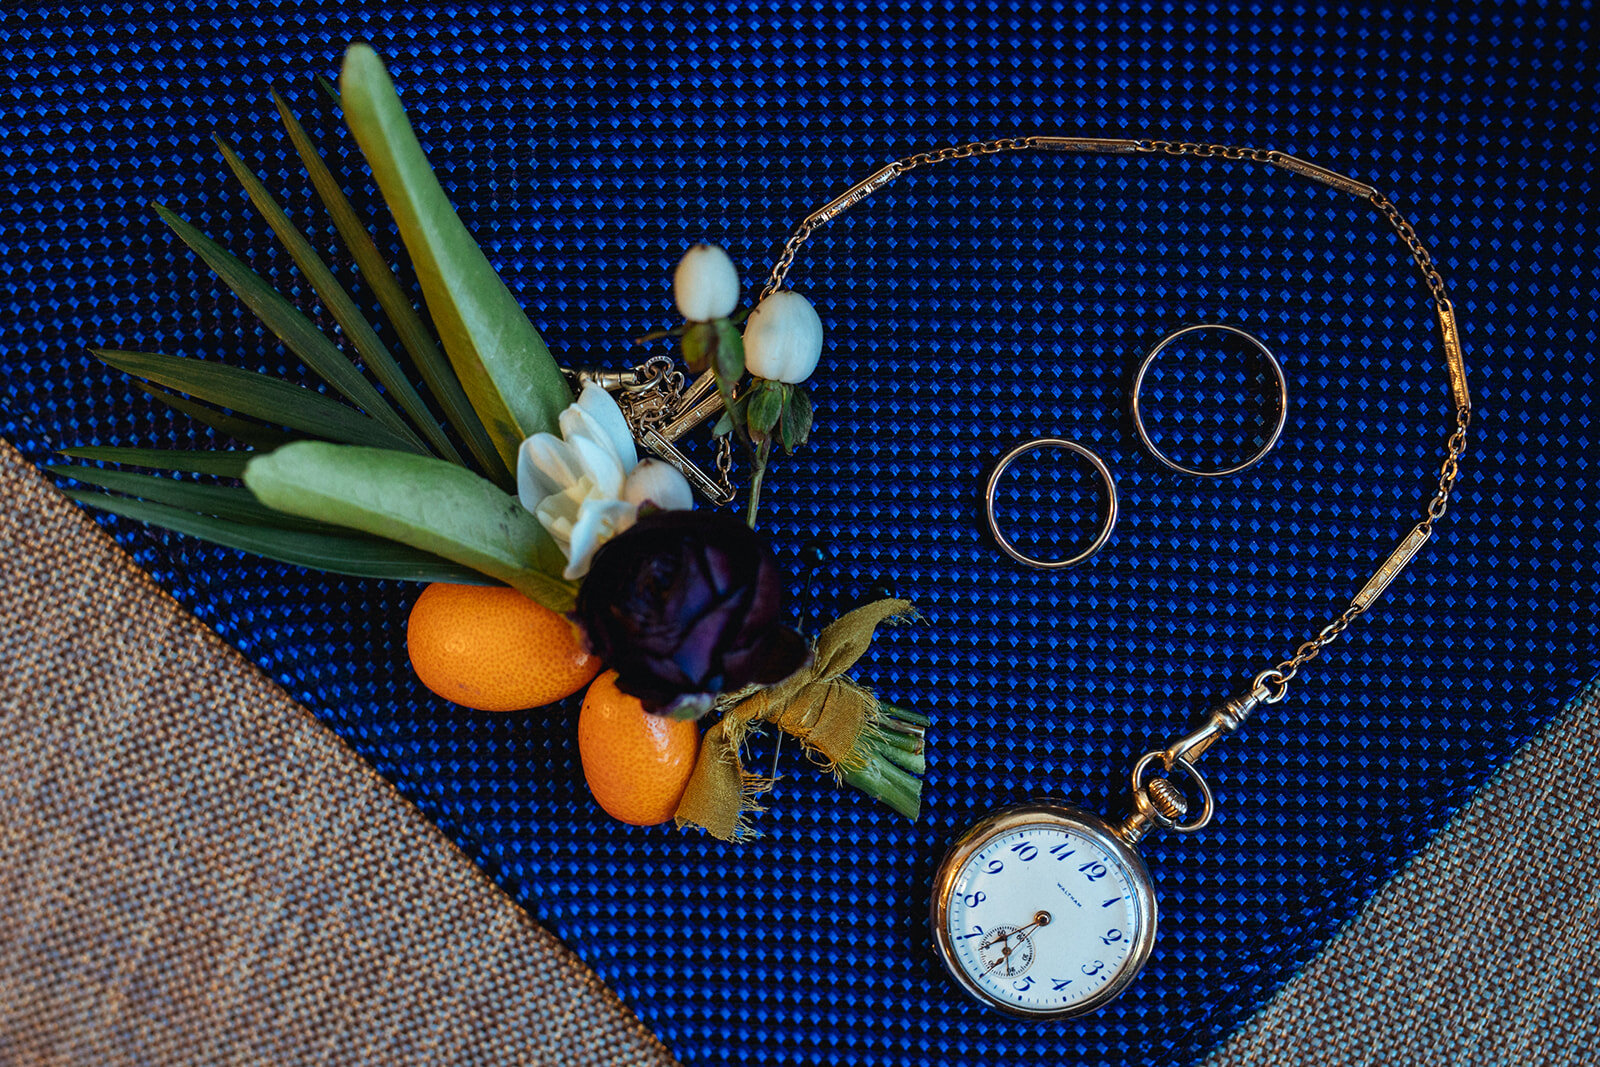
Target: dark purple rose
{"type": "Point", "coordinates": [686, 605]}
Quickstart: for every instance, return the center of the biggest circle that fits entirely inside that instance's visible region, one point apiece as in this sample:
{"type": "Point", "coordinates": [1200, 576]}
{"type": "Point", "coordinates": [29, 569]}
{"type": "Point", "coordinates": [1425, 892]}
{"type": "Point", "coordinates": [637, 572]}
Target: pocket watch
{"type": "Point", "coordinates": [1047, 910]}
{"type": "Point", "coordinates": [1041, 909]}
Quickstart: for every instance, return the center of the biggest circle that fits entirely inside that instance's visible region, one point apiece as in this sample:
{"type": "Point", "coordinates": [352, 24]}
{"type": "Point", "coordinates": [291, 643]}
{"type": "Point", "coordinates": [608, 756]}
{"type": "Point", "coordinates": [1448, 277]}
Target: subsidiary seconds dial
{"type": "Point", "coordinates": [1041, 910]}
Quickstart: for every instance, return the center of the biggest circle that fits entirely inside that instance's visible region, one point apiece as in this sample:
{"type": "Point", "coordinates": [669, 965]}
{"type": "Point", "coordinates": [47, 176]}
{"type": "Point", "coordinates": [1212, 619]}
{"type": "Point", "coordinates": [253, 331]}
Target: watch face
{"type": "Point", "coordinates": [1042, 910]}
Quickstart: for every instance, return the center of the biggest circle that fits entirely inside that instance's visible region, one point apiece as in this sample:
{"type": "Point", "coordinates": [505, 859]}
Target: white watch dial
{"type": "Point", "coordinates": [1043, 917]}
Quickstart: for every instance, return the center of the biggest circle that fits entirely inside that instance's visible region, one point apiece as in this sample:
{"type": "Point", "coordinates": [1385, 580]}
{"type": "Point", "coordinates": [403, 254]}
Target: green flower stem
{"type": "Point", "coordinates": [909, 761]}
{"type": "Point", "coordinates": [905, 715]}
{"type": "Point", "coordinates": [759, 468]}
{"type": "Point", "coordinates": [894, 749]}
{"type": "Point", "coordinates": [902, 742]}
{"type": "Point", "coordinates": [888, 783]}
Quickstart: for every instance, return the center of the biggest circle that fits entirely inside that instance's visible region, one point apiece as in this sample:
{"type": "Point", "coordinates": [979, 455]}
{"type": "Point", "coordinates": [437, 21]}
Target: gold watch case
{"type": "Point", "coordinates": [1045, 813]}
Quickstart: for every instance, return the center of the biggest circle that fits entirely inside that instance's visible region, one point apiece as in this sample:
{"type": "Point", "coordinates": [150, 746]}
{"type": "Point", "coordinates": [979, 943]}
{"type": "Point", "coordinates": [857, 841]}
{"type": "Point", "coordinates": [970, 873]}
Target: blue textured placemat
{"type": "Point", "coordinates": [968, 307]}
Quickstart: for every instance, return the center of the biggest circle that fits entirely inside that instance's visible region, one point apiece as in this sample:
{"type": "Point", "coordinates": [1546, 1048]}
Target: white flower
{"type": "Point", "coordinates": [783, 338]}
{"type": "Point", "coordinates": [586, 485]}
{"type": "Point", "coordinates": [705, 285]}
{"type": "Point", "coordinates": [657, 482]}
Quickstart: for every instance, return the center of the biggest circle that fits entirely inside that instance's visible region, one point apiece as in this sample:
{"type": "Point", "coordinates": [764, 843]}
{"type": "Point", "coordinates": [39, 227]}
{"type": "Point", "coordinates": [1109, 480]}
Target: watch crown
{"type": "Point", "coordinates": [1167, 799]}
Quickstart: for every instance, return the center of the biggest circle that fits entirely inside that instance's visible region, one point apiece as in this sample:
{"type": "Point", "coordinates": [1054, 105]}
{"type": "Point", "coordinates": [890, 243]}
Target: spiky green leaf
{"type": "Point", "coordinates": [222, 464]}
{"type": "Point", "coordinates": [293, 328]}
{"type": "Point", "coordinates": [502, 362]}
{"type": "Point", "coordinates": [258, 396]}
{"type": "Point", "coordinates": [340, 305]}
{"type": "Point", "coordinates": [223, 501]}
{"type": "Point", "coordinates": [408, 325]}
{"type": "Point", "coordinates": [334, 553]}
{"type": "Point", "coordinates": [257, 436]}
{"type": "Point", "coordinates": [426, 503]}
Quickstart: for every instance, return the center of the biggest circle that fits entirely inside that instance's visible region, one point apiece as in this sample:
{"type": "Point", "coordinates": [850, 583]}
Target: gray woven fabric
{"type": "Point", "coordinates": [193, 870]}
{"type": "Point", "coordinates": [1482, 950]}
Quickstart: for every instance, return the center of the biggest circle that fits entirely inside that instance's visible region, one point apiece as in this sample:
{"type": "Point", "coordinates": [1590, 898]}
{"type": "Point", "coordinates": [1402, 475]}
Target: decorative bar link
{"type": "Point", "coordinates": [854, 195]}
{"type": "Point", "coordinates": [1392, 566]}
{"type": "Point", "coordinates": [1106, 145]}
{"type": "Point", "coordinates": [1332, 178]}
{"type": "Point", "coordinates": [1452, 354]}
{"type": "Point", "coordinates": [664, 449]}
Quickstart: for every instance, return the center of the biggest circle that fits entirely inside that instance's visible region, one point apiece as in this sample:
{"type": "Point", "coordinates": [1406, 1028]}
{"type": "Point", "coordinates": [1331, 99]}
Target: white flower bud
{"type": "Point", "coordinates": [705, 285]}
{"type": "Point", "coordinates": [656, 482]}
{"type": "Point", "coordinates": [783, 338]}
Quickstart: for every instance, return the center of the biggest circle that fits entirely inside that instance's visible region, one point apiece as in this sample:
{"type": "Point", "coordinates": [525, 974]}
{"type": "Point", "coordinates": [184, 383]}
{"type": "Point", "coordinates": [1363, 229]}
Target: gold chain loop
{"type": "Point", "coordinates": [1274, 681]}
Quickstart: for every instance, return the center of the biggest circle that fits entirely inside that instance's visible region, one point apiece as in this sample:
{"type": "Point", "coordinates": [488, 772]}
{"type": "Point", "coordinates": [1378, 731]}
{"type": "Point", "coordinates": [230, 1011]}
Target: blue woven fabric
{"type": "Point", "coordinates": [968, 307]}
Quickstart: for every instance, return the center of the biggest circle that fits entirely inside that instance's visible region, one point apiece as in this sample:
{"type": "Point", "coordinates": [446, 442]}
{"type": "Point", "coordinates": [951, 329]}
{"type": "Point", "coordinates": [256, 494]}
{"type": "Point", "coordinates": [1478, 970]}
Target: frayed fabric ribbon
{"type": "Point", "coordinates": [830, 713]}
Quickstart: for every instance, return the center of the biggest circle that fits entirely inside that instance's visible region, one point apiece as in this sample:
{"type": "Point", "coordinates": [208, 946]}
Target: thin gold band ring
{"type": "Point", "coordinates": [1199, 472]}
{"type": "Point", "coordinates": [1108, 524]}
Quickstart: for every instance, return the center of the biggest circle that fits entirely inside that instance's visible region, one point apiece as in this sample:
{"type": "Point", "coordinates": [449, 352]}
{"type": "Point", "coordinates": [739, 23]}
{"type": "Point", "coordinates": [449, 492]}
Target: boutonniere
{"type": "Point", "coordinates": [547, 510]}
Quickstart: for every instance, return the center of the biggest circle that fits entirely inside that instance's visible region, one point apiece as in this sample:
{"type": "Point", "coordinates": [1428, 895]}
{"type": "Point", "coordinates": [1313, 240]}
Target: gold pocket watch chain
{"type": "Point", "coordinates": [1157, 801]}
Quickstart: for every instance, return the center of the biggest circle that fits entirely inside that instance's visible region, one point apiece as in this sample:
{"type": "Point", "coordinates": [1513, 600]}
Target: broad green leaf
{"type": "Point", "coordinates": [767, 401]}
{"type": "Point", "coordinates": [334, 553]}
{"type": "Point", "coordinates": [501, 360]}
{"type": "Point", "coordinates": [223, 501]}
{"type": "Point", "coordinates": [293, 328]}
{"type": "Point", "coordinates": [408, 325]}
{"type": "Point", "coordinates": [727, 351]}
{"type": "Point", "coordinates": [257, 436]}
{"type": "Point", "coordinates": [338, 302]}
{"type": "Point", "coordinates": [223, 464]}
{"type": "Point", "coordinates": [419, 501]}
{"type": "Point", "coordinates": [796, 418]}
{"type": "Point", "coordinates": [696, 345]}
{"type": "Point", "coordinates": [259, 396]}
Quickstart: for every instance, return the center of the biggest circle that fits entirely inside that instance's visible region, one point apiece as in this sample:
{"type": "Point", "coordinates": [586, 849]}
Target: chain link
{"type": "Point", "coordinates": [780, 269]}
{"type": "Point", "coordinates": [725, 464]}
{"type": "Point", "coordinates": [1274, 680]}
{"type": "Point", "coordinates": [1419, 253]}
{"type": "Point", "coordinates": [1212, 151]}
{"type": "Point", "coordinates": [965, 151]}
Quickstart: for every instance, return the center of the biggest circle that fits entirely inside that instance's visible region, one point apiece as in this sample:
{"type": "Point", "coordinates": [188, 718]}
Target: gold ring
{"type": "Point", "coordinates": [1069, 446]}
{"type": "Point", "coordinates": [1138, 386]}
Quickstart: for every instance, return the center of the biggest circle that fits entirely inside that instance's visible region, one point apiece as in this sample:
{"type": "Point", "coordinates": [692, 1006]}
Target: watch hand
{"type": "Point", "coordinates": [1040, 918]}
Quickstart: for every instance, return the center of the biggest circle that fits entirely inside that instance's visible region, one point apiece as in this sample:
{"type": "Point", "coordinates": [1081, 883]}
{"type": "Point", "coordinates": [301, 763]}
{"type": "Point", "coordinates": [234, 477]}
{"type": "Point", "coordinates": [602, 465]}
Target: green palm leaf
{"type": "Point", "coordinates": [334, 553]}
{"type": "Point", "coordinates": [293, 328]}
{"type": "Point", "coordinates": [501, 360]}
{"type": "Point", "coordinates": [223, 464]}
{"type": "Point", "coordinates": [257, 436]}
{"type": "Point", "coordinates": [224, 501]}
{"type": "Point", "coordinates": [338, 302]}
{"type": "Point", "coordinates": [408, 325]}
{"type": "Point", "coordinates": [259, 396]}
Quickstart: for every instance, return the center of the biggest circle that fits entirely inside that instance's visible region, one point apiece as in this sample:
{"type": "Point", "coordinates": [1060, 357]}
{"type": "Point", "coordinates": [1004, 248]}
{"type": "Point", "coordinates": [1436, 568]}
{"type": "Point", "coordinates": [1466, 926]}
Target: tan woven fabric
{"type": "Point", "coordinates": [193, 870]}
{"type": "Point", "coordinates": [1486, 948]}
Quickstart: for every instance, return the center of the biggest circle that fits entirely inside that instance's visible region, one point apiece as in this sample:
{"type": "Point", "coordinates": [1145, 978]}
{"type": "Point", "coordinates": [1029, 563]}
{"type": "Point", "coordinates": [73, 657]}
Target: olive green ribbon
{"type": "Point", "coordinates": [829, 712]}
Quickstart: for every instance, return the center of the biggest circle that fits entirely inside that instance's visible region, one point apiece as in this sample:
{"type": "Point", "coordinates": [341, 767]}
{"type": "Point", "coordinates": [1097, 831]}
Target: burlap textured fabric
{"type": "Point", "coordinates": [193, 870]}
{"type": "Point", "coordinates": [1483, 951]}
